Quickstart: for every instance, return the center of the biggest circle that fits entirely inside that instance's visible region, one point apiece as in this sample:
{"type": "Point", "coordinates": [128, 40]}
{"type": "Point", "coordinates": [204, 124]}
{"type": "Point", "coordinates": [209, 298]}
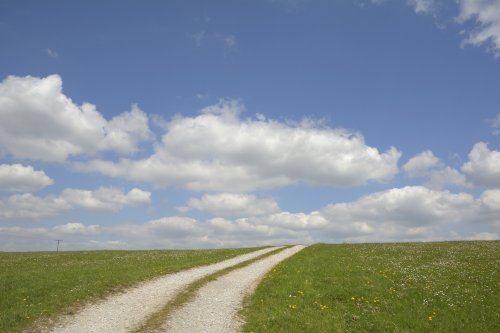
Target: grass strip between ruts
{"type": "Point", "coordinates": [156, 320]}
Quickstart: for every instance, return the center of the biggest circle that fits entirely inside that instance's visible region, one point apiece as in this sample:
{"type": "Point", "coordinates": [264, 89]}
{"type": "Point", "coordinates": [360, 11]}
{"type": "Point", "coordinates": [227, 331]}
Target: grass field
{"type": "Point", "coordinates": [40, 285]}
{"type": "Point", "coordinates": [412, 287]}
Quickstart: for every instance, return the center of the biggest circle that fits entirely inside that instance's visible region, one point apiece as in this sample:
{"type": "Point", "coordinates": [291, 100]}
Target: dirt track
{"type": "Point", "coordinates": [125, 311]}
{"type": "Point", "coordinates": [217, 303]}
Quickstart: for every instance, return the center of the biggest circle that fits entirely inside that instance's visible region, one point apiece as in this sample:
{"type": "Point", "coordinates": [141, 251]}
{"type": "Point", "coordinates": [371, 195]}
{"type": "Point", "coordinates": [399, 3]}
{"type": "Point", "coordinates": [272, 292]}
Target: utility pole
{"type": "Point", "coordinates": [58, 241]}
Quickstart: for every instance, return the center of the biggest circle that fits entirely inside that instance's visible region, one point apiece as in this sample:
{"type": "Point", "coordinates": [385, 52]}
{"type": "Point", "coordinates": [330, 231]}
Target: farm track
{"type": "Point", "coordinates": [216, 305]}
{"type": "Point", "coordinates": [125, 311]}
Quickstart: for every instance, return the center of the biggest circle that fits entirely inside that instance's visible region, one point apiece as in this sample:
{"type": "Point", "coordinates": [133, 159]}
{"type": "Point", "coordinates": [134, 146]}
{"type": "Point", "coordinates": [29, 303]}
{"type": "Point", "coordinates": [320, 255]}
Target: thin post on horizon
{"type": "Point", "coordinates": [58, 242]}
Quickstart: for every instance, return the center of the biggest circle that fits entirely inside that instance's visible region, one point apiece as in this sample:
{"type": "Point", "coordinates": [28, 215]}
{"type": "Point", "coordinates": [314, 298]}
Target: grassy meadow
{"type": "Point", "coordinates": [39, 285]}
{"type": "Point", "coordinates": [401, 287]}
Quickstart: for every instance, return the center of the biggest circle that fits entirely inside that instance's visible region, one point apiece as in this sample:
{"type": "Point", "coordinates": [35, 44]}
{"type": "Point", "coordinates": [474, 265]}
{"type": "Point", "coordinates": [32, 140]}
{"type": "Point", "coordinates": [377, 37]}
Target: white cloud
{"type": "Point", "coordinates": [20, 178]}
{"type": "Point", "coordinates": [480, 20]}
{"type": "Point", "coordinates": [125, 131]}
{"type": "Point", "coordinates": [39, 122]}
{"type": "Point", "coordinates": [406, 214]}
{"type": "Point", "coordinates": [411, 206]}
{"type": "Point", "coordinates": [28, 206]}
{"type": "Point", "coordinates": [439, 178]}
{"type": "Point", "coordinates": [491, 199]}
{"type": "Point", "coordinates": [233, 204]}
{"type": "Point", "coordinates": [175, 227]}
{"type": "Point", "coordinates": [483, 167]}
{"type": "Point", "coordinates": [293, 221]}
{"type": "Point", "coordinates": [74, 236]}
{"type": "Point", "coordinates": [25, 239]}
{"type": "Point", "coordinates": [484, 236]}
{"type": "Point", "coordinates": [104, 245]}
{"type": "Point", "coordinates": [486, 16]}
{"type": "Point", "coordinates": [427, 165]}
{"type": "Point", "coordinates": [219, 151]}
{"type": "Point", "coordinates": [420, 164]}
{"type": "Point", "coordinates": [253, 231]}
{"type": "Point", "coordinates": [75, 228]}
{"type": "Point", "coordinates": [106, 199]}
{"type": "Point", "coordinates": [399, 214]}
{"type": "Point", "coordinates": [423, 6]}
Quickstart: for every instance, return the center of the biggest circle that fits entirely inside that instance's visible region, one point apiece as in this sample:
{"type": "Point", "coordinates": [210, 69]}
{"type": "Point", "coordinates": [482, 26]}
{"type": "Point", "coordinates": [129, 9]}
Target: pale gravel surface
{"type": "Point", "coordinates": [125, 311]}
{"type": "Point", "coordinates": [216, 304]}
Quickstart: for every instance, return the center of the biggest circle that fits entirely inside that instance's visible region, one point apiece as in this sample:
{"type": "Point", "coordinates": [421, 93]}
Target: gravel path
{"type": "Point", "coordinates": [216, 305]}
{"type": "Point", "coordinates": [122, 312]}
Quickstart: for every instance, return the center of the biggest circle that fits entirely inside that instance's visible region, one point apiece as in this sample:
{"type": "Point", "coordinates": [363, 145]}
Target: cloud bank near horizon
{"type": "Point", "coordinates": [413, 213]}
{"type": "Point", "coordinates": [229, 160]}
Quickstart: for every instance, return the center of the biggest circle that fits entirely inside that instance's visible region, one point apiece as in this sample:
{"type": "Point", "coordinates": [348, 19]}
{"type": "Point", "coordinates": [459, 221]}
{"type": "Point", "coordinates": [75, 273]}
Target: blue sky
{"type": "Point", "coordinates": [196, 124]}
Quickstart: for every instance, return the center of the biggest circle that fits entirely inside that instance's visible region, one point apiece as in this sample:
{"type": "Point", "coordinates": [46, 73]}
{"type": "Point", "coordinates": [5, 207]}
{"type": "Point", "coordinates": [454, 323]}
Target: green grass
{"type": "Point", "coordinates": [41, 285]}
{"type": "Point", "coordinates": [412, 287]}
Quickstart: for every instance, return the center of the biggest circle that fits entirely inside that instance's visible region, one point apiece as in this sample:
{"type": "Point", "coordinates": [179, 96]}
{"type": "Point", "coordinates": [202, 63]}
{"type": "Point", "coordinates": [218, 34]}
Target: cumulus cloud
{"type": "Point", "coordinates": [106, 199]}
{"type": "Point", "coordinates": [486, 16]}
{"type": "Point", "coordinates": [409, 206]}
{"type": "Point", "coordinates": [441, 177]}
{"type": "Point", "coordinates": [39, 122]}
{"type": "Point", "coordinates": [75, 228]}
{"type": "Point", "coordinates": [405, 214]}
{"type": "Point", "coordinates": [292, 221]}
{"type": "Point", "coordinates": [220, 151]}
{"type": "Point", "coordinates": [491, 199]}
{"type": "Point", "coordinates": [420, 164]}
{"type": "Point", "coordinates": [427, 165]}
{"type": "Point", "coordinates": [175, 227]}
{"type": "Point", "coordinates": [233, 204]}
{"type": "Point", "coordinates": [123, 132]}
{"type": "Point", "coordinates": [20, 178]}
{"type": "Point", "coordinates": [481, 170]}
{"type": "Point", "coordinates": [483, 166]}
{"type": "Point", "coordinates": [28, 206]}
